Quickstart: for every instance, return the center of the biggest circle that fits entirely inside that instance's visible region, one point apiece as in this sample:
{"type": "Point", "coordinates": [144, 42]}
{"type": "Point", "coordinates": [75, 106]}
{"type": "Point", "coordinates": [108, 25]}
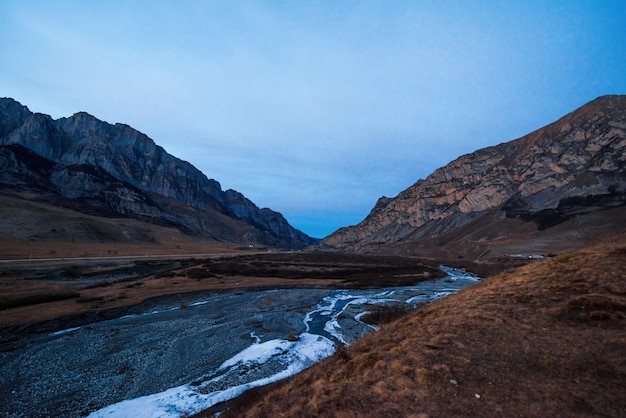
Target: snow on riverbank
{"type": "Point", "coordinates": [334, 321]}
{"type": "Point", "coordinates": [293, 356]}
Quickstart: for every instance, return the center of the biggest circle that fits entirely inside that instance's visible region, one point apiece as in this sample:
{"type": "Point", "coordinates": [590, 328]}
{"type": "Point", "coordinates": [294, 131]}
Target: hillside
{"type": "Point", "coordinates": [546, 339]}
{"type": "Point", "coordinates": [549, 191]}
{"type": "Point", "coordinates": [114, 171]}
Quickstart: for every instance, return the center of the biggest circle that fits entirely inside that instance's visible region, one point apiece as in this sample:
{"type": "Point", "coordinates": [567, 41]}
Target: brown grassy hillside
{"type": "Point", "coordinates": [546, 339]}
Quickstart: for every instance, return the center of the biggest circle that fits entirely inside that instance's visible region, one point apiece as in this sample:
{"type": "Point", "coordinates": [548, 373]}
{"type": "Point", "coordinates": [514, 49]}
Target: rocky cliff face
{"type": "Point", "coordinates": [116, 170]}
{"type": "Point", "coordinates": [574, 166]}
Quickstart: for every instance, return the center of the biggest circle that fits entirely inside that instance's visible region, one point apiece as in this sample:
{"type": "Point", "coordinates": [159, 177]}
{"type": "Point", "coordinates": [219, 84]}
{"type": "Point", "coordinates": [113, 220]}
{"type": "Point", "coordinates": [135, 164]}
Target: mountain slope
{"type": "Point", "coordinates": [115, 170]}
{"type": "Point", "coordinates": [542, 186]}
{"type": "Point", "coordinates": [545, 340]}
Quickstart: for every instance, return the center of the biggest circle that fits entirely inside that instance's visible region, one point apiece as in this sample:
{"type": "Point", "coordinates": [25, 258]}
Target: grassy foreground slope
{"type": "Point", "coordinates": [546, 339]}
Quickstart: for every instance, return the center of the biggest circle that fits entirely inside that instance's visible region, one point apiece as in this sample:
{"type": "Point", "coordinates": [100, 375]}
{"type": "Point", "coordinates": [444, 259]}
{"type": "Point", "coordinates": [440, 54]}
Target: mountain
{"type": "Point", "coordinates": [550, 190]}
{"type": "Point", "coordinates": [108, 170]}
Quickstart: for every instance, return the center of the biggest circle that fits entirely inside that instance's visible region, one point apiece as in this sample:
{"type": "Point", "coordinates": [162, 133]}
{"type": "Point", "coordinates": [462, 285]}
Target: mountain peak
{"type": "Point", "coordinates": [9, 101]}
{"type": "Point", "coordinates": [16, 115]}
{"type": "Point", "coordinates": [86, 116]}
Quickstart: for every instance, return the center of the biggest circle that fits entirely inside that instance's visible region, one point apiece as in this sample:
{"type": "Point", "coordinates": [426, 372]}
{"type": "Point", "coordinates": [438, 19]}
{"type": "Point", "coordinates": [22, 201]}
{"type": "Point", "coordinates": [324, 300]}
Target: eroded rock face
{"type": "Point", "coordinates": [574, 165]}
{"type": "Point", "coordinates": [116, 170]}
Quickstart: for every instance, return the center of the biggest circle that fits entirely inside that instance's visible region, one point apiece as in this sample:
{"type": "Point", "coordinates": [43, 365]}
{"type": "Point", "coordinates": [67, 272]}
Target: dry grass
{"type": "Point", "coordinates": [547, 339]}
{"type": "Point", "coordinates": [24, 302]}
{"type": "Point", "coordinates": [76, 289]}
{"type": "Point", "coordinates": [383, 314]}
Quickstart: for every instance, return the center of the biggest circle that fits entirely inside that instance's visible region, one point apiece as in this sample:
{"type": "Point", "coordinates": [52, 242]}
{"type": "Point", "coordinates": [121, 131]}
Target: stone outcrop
{"type": "Point", "coordinates": [115, 170]}
{"type": "Point", "coordinates": [573, 166]}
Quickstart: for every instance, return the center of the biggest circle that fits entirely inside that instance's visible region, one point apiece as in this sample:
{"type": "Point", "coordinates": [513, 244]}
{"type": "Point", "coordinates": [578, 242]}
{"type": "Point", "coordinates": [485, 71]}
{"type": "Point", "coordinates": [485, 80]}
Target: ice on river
{"type": "Point", "coordinates": [336, 320]}
{"type": "Point", "coordinates": [291, 358]}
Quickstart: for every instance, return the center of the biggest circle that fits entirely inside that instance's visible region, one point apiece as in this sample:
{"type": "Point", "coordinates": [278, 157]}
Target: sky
{"type": "Point", "coordinates": [315, 109]}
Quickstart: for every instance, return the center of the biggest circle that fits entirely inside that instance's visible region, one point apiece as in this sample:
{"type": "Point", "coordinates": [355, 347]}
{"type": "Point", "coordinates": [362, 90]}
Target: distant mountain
{"type": "Point", "coordinates": [109, 170]}
{"type": "Point", "coordinates": [547, 191]}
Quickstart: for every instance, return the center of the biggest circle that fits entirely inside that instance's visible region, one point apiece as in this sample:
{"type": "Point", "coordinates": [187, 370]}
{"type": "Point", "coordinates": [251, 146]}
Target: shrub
{"type": "Point", "coordinates": [383, 314]}
{"type": "Point", "coordinates": [36, 299]}
{"type": "Point", "coordinates": [199, 273]}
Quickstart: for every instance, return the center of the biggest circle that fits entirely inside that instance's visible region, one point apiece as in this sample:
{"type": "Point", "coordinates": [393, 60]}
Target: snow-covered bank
{"type": "Point", "coordinates": [334, 321]}
{"type": "Point", "coordinates": [289, 358]}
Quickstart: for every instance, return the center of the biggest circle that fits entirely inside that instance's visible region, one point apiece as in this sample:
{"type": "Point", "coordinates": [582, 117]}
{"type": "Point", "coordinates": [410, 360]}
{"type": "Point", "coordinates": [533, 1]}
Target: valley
{"type": "Point", "coordinates": [131, 281]}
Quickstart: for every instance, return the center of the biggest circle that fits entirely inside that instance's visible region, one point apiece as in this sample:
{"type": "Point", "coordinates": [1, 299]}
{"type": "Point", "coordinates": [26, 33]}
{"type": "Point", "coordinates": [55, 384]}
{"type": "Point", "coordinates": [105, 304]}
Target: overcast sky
{"type": "Point", "coordinates": [315, 108]}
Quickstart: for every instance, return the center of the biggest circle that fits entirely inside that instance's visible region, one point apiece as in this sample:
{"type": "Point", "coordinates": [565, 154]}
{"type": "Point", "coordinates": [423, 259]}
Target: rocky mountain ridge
{"type": "Point", "coordinates": [572, 167]}
{"type": "Point", "coordinates": [114, 170]}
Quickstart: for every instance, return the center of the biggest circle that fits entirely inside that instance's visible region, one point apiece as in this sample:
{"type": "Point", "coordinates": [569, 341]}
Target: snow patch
{"type": "Point", "coordinates": [64, 331]}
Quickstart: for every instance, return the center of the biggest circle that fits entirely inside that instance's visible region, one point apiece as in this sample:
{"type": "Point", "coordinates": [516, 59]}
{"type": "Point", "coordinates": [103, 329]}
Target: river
{"type": "Point", "coordinates": [180, 359]}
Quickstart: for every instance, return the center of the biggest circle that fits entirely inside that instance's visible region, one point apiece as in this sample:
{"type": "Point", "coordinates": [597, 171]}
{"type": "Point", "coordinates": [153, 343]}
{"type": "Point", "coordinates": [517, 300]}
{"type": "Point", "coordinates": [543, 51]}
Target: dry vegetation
{"type": "Point", "coordinates": [79, 291]}
{"type": "Point", "coordinates": [546, 339]}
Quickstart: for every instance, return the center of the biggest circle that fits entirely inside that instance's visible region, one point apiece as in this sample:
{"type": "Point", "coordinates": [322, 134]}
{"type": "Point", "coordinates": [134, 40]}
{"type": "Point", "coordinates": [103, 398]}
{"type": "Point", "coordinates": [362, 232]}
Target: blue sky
{"type": "Point", "coordinates": [315, 108]}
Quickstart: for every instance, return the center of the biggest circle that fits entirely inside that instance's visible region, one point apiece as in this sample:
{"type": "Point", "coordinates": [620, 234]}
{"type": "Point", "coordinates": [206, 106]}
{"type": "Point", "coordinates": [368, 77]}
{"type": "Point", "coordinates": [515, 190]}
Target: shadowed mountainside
{"type": "Point", "coordinates": [109, 170]}
{"type": "Point", "coordinates": [548, 191]}
{"type": "Point", "coordinates": [546, 339]}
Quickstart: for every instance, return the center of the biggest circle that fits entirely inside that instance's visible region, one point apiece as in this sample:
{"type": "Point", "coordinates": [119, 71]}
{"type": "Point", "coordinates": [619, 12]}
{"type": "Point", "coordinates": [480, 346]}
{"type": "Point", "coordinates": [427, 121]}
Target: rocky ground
{"type": "Point", "coordinates": [85, 369]}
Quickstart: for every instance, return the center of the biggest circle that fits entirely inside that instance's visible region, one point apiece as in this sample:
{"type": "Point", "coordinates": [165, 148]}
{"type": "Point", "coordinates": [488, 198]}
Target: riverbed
{"type": "Point", "coordinates": [178, 359]}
